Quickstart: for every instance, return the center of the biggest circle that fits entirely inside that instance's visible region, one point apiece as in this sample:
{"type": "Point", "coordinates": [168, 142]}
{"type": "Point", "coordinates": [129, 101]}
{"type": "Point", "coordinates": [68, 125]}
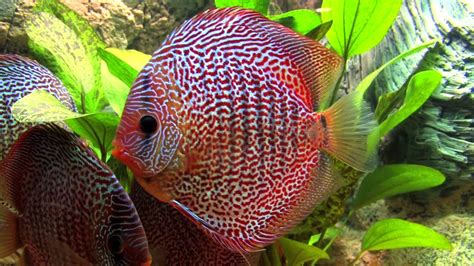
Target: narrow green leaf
{"type": "Point", "coordinates": [260, 6]}
{"type": "Point", "coordinates": [419, 89]}
{"type": "Point", "coordinates": [301, 20]}
{"type": "Point", "coordinates": [387, 103]}
{"type": "Point", "coordinates": [320, 31]}
{"type": "Point", "coordinates": [136, 59]}
{"type": "Point", "coordinates": [397, 233]}
{"type": "Point", "coordinates": [358, 25]}
{"type": "Point", "coordinates": [389, 180]}
{"type": "Point", "coordinates": [115, 90]}
{"type": "Point", "coordinates": [367, 81]}
{"type": "Point", "coordinates": [298, 253]}
{"type": "Point", "coordinates": [119, 68]}
{"type": "Point", "coordinates": [41, 107]}
{"type": "Point", "coordinates": [99, 129]}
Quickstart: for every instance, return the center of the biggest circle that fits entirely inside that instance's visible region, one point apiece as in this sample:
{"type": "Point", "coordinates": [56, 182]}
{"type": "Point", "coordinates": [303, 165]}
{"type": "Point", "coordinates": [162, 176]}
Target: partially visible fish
{"type": "Point", "coordinates": [20, 76]}
{"type": "Point", "coordinates": [221, 124]}
{"type": "Point", "coordinates": [175, 240]}
{"type": "Point", "coordinates": [64, 206]}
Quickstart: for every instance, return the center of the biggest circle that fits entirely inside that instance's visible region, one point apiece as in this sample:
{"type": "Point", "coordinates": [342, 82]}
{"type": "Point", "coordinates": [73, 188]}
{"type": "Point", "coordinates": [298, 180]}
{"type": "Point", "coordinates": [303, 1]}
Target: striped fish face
{"type": "Point", "coordinates": [20, 76]}
{"type": "Point", "coordinates": [124, 241]}
{"type": "Point", "coordinates": [72, 207]}
{"type": "Point", "coordinates": [148, 135]}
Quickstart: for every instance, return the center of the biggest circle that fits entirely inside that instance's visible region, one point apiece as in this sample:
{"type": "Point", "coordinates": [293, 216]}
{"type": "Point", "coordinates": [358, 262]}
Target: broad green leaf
{"type": "Point", "coordinates": [387, 103]}
{"type": "Point", "coordinates": [397, 233]}
{"type": "Point", "coordinates": [41, 107]}
{"type": "Point", "coordinates": [260, 6]}
{"type": "Point", "coordinates": [331, 232]}
{"type": "Point", "coordinates": [301, 20]}
{"type": "Point", "coordinates": [133, 58]}
{"type": "Point", "coordinates": [119, 68]}
{"type": "Point", "coordinates": [115, 90]}
{"type": "Point", "coordinates": [99, 129]}
{"type": "Point", "coordinates": [94, 98]}
{"type": "Point", "coordinates": [60, 49]}
{"type": "Point", "coordinates": [367, 81]}
{"type": "Point", "coordinates": [358, 25]}
{"type": "Point", "coordinates": [389, 180]}
{"type": "Point", "coordinates": [320, 31]}
{"type": "Point", "coordinates": [419, 89]}
{"type": "Point", "coordinates": [298, 253]}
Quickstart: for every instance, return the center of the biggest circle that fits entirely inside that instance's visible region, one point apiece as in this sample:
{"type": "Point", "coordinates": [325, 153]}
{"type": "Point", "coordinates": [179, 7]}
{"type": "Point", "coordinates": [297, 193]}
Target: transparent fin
{"type": "Point", "coordinates": [9, 242]}
{"type": "Point", "coordinates": [350, 128]}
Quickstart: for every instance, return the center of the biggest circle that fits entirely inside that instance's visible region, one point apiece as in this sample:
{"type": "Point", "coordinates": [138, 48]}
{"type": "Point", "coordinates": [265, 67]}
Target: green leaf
{"type": "Point", "coordinates": [119, 68]}
{"type": "Point", "coordinates": [41, 107]}
{"type": "Point", "coordinates": [260, 6]}
{"type": "Point", "coordinates": [301, 20]}
{"type": "Point", "coordinates": [99, 129]}
{"type": "Point", "coordinates": [419, 89]}
{"type": "Point", "coordinates": [358, 25]}
{"type": "Point", "coordinates": [396, 233]}
{"type": "Point", "coordinates": [367, 81]}
{"type": "Point", "coordinates": [387, 103]}
{"type": "Point", "coordinates": [60, 49]}
{"type": "Point", "coordinates": [331, 232]}
{"type": "Point", "coordinates": [320, 31]}
{"type": "Point", "coordinates": [136, 59]}
{"type": "Point", "coordinates": [115, 90]}
{"type": "Point", "coordinates": [389, 180]}
{"type": "Point", "coordinates": [298, 253]}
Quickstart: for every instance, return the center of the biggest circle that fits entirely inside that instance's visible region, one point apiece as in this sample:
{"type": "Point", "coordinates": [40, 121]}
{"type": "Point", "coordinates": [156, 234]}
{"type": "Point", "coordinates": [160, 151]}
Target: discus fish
{"type": "Point", "coordinates": [19, 76]}
{"type": "Point", "coordinates": [175, 240]}
{"type": "Point", "coordinates": [221, 124]}
{"type": "Point", "coordinates": [64, 206]}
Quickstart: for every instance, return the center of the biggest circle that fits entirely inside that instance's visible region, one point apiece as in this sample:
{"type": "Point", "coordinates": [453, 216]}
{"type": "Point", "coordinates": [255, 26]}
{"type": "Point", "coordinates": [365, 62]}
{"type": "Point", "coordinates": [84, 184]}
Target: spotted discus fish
{"type": "Point", "coordinates": [20, 76]}
{"type": "Point", "coordinates": [64, 206]}
{"type": "Point", "coordinates": [175, 240]}
{"type": "Point", "coordinates": [221, 124]}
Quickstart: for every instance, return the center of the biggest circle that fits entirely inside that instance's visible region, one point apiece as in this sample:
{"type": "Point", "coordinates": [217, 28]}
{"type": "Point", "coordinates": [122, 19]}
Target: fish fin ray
{"type": "Point", "coordinates": [9, 242]}
{"type": "Point", "coordinates": [348, 125]}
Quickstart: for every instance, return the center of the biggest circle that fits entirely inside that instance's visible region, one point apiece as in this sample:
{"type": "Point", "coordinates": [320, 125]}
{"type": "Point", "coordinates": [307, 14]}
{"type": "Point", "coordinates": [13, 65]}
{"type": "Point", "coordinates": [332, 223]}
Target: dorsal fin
{"type": "Point", "coordinates": [319, 67]}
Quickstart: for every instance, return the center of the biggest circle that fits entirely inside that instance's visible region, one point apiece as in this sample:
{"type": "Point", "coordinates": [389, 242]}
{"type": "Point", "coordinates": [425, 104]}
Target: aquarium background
{"type": "Point", "coordinates": [439, 135]}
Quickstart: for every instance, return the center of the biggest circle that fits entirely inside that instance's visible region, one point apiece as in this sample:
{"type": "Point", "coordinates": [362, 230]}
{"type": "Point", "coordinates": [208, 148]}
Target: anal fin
{"type": "Point", "coordinates": [9, 242]}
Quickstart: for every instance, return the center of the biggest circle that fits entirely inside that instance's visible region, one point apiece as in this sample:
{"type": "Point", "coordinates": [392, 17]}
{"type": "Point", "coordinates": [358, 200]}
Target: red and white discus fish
{"type": "Point", "coordinates": [220, 124]}
{"type": "Point", "coordinates": [64, 206]}
{"type": "Point", "coordinates": [175, 240]}
{"type": "Point", "coordinates": [19, 76]}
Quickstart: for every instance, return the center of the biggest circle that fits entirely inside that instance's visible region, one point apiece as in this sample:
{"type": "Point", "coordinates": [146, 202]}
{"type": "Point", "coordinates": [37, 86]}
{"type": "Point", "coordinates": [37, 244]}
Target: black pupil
{"type": "Point", "coordinates": [148, 124]}
{"type": "Point", "coordinates": [115, 244]}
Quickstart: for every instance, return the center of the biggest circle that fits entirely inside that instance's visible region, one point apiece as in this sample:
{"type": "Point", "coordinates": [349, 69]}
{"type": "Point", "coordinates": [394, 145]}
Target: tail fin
{"type": "Point", "coordinates": [9, 242]}
{"type": "Point", "coordinates": [347, 132]}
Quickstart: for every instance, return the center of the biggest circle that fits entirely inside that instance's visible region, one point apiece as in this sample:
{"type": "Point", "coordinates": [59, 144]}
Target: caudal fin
{"type": "Point", "coordinates": [9, 242]}
{"type": "Point", "coordinates": [349, 132]}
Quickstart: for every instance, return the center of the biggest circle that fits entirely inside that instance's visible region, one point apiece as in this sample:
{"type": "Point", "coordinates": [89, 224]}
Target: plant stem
{"type": "Point", "coordinates": [358, 257]}
{"type": "Point", "coordinates": [321, 237]}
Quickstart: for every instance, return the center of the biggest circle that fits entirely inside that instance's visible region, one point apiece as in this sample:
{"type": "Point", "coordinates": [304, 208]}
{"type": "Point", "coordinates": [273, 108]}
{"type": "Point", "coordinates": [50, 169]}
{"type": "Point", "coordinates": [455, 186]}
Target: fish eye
{"type": "Point", "coordinates": [115, 244]}
{"type": "Point", "coordinates": [148, 124]}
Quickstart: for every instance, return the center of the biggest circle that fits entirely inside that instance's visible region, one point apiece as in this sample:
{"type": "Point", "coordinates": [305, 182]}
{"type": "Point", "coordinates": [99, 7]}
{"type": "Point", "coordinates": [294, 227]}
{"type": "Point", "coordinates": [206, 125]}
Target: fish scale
{"type": "Point", "coordinates": [69, 203]}
{"type": "Point", "coordinates": [237, 146]}
{"type": "Point", "coordinates": [20, 76]}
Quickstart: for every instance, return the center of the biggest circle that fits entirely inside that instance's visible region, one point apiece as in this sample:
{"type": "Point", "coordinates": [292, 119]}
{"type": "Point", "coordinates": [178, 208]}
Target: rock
{"type": "Point", "coordinates": [132, 24]}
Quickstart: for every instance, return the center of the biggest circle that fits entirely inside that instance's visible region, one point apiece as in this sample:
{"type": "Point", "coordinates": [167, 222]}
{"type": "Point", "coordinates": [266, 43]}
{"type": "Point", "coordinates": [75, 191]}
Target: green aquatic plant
{"type": "Point", "coordinates": [99, 79]}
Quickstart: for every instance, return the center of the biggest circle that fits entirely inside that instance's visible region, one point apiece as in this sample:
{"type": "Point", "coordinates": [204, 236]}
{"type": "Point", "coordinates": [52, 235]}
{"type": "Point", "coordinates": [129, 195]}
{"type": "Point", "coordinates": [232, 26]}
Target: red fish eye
{"type": "Point", "coordinates": [148, 124]}
{"type": "Point", "coordinates": [115, 244]}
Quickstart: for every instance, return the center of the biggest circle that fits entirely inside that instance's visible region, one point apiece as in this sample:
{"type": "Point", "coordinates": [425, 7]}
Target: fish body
{"type": "Point", "coordinates": [175, 240]}
{"type": "Point", "coordinates": [221, 125]}
{"type": "Point", "coordinates": [63, 206]}
{"type": "Point", "coordinates": [20, 76]}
